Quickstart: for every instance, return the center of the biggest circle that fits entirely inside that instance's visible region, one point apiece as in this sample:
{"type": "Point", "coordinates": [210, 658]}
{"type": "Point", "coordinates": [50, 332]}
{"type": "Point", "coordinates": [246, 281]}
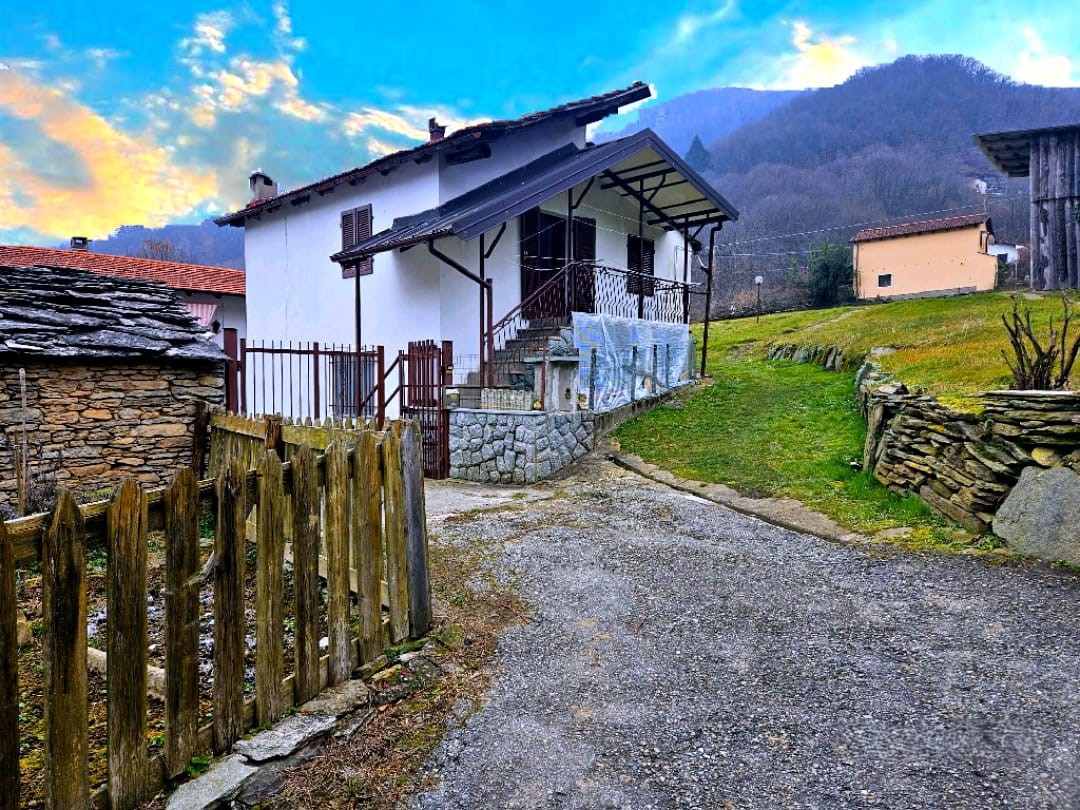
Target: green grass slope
{"type": "Point", "coordinates": [790, 429]}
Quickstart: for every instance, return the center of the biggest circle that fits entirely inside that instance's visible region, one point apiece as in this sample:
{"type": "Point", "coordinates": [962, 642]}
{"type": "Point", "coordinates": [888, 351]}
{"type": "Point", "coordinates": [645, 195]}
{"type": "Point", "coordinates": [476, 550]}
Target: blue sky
{"type": "Point", "coordinates": [118, 113]}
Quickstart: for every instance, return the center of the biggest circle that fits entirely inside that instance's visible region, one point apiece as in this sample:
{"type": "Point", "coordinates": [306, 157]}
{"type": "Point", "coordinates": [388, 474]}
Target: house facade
{"type": "Point", "coordinates": [213, 295]}
{"type": "Point", "coordinates": [450, 239]}
{"type": "Point", "coordinates": [946, 256]}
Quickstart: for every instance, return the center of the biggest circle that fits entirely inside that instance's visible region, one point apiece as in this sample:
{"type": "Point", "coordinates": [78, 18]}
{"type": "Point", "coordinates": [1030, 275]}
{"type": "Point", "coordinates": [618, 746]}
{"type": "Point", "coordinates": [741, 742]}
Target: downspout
{"type": "Point", "coordinates": [708, 297]}
{"type": "Point", "coordinates": [484, 283]}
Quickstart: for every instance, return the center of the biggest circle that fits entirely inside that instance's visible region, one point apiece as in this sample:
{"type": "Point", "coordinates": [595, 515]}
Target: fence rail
{"type": "Point", "coordinates": [578, 287]}
{"type": "Point", "coordinates": [309, 380]}
{"type": "Point", "coordinates": [356, 510]}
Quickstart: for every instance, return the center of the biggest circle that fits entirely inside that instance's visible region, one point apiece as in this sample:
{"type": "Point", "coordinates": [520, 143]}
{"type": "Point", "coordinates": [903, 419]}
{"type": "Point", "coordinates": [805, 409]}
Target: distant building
{"type": "Point", "coordinates": [927, 258]}
{"type": "Point", "coordinates": [1051, 158]}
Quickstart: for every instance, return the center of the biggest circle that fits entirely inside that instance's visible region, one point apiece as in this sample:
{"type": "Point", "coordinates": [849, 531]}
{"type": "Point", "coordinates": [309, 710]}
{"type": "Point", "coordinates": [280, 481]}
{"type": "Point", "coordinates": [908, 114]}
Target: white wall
{"type": "Point", "coordinates": [507, 154]}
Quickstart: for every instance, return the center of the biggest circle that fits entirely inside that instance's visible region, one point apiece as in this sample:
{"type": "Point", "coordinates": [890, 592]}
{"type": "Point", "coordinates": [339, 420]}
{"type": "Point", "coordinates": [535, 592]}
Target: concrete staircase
{"type": "Point", "coordinates": [511, 370]}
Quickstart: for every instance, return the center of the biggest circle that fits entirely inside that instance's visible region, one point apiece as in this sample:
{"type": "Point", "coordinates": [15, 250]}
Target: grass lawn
{"type": "Point", "coordinates": [790, 429]}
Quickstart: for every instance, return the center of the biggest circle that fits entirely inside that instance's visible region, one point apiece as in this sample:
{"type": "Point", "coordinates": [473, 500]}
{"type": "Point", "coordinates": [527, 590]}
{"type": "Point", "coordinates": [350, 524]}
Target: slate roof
{"type": "Point", "coordinates": [584, 111]}
{"type": "Point", "coordinates": [181, 276]}
{"type": "Point", "coordinates": [56, 312]}
{"type": "Point", "coordinates": [525, 187]}
{"type": "Point", "coordinates": [923, 226]}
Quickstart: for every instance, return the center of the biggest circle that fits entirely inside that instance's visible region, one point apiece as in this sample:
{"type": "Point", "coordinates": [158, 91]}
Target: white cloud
{"type": "Point", "coordinates": [1035, 66]}
{"type": "Point", "coordinates": [817, 61]}
{"type": "Point", "coordinates": [688, 25]}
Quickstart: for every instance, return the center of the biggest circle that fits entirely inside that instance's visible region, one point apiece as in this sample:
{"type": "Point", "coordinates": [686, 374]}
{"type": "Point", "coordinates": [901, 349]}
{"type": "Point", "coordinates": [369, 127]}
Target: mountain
{"type": "Point", "coordinates": [204, 243]}
{"type": "Point", "coordinates": [892, 143]}
{"type": "Point", "coordinates": [709, 114]}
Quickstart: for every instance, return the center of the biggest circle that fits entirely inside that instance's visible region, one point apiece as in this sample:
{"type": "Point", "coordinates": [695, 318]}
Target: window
{"type": "Point", "coordinates": [355, 228]}
{"type": "Point", "coordinates": [640, 258]}
{"type": "Point", "coordinates": [884, 280]}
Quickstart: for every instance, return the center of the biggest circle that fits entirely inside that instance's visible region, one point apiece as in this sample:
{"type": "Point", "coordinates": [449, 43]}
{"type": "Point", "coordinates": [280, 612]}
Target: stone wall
{"type": "Point", "coordinates": [91, 425]}
{"type": "Point", "coordinates": [516, 447]}
{"type": "Point", "coordinates": [964, 465]}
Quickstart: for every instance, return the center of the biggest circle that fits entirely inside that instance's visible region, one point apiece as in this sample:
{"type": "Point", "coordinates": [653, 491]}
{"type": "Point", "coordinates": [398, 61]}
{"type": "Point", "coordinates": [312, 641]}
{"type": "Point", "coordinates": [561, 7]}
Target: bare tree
{"type": "Point", "coordinates": [160, 249]}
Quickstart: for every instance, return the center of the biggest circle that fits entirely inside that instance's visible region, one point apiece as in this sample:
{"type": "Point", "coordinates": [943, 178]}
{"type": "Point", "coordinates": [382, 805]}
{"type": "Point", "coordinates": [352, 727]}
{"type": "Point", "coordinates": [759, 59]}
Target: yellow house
{"type": "Point", "coordinates": [928, 258]}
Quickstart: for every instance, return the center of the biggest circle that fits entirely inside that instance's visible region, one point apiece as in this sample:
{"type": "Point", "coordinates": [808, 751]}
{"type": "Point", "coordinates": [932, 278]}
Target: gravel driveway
{"type": "Point", "coordinates": [682, 655]}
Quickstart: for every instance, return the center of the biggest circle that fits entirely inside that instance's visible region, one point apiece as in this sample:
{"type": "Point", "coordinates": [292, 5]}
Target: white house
{"type": "Point", "coordinates": [465, 239]}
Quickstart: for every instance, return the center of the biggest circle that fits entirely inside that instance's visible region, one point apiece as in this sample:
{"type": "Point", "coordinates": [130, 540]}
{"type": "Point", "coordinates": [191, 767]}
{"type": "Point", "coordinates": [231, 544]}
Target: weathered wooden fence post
{"type": "Point", "coordinates": [397, 575]}
{"type": "Point", "coordinates": [269, 593]}
{"type": "Point", "coordinates": [229, 607]}
{"type": "Point", "coordinates": [337, 562]}
{"type": "Point", "coordinates": [367, 543]}
{"type": "Point", "coordinates": [125, 677]}
{"type": "Point", "coordinates": [416, 549]}
{"type": "Point", "coordinates": [9, 677]}
{"type": "Point", "coordinates": [306, 506]}
{"type": "Point", "coordinates": [181, 508]}
{"type": "Point", "coordinates": [63, 584]}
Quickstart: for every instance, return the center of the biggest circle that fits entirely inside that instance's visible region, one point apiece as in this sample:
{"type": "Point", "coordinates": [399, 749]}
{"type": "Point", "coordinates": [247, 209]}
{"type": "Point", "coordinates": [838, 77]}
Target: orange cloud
{"type": "Point", "coordinates": [127, 179]}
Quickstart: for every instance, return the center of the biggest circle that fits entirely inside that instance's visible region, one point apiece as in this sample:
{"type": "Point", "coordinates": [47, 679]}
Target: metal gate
{"type": "Point", "coordinates": [425, 370]}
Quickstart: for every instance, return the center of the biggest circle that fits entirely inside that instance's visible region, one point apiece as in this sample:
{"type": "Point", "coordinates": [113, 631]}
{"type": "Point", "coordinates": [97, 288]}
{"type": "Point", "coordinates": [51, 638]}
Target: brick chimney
{"type": "Point", "coordinates": [436, 131]}
{"type": "Point", "coordinates": [80, 243]}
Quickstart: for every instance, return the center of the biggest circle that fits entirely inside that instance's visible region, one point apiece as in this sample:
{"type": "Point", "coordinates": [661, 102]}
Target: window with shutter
{"type": "Point", "coordinates": [355, 228]}
{"type": "Point", "coordinates": [640, 258]}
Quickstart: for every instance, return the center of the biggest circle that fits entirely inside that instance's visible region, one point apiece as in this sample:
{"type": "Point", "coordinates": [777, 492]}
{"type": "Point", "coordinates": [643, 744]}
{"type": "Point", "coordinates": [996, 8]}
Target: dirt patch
{"type": "Point", "coordinates": [380, 765]}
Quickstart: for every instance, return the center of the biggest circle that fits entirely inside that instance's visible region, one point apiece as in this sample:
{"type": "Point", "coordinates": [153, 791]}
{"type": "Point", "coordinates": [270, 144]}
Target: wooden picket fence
{"type": "Point", "coordinates": [358, 506]}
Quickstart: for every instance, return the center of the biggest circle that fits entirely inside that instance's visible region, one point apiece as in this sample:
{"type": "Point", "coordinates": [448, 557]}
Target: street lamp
{"type": "Point", "coordinates": [758, 280]}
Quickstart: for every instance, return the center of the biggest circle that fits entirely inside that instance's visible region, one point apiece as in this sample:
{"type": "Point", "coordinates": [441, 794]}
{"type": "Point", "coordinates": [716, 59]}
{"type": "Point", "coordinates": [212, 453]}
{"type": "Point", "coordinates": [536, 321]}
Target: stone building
{"type": "Point", "coordinates": [101, 379]}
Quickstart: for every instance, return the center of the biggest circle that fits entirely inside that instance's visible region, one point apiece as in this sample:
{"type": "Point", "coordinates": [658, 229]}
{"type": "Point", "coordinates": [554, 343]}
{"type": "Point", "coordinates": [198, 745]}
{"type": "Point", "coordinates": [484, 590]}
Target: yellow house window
{"type": "Point", "coordinates": [884, 280]}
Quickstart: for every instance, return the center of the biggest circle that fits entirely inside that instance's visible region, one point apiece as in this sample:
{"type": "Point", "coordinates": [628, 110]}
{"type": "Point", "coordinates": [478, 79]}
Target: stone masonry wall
{"type": "Point", "coordinates": [962, 465]}
{"type": "Point", "coordinates": [92, 425]}
{"type": "Point", "coordinates": [516, 447]}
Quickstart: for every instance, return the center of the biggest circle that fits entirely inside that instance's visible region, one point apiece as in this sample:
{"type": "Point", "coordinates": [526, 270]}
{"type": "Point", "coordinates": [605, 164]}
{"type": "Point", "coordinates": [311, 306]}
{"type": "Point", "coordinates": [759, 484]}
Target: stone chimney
{"type": "Point", "coordinates": [436, 131]}
{"type": "Point", "coordinates": [80, 243]}
{"type": "Point", "coordinates": [262, 187]}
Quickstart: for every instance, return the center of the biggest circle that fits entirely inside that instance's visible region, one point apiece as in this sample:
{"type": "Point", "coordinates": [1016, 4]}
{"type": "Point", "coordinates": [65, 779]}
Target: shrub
{"type": "Point", "coordinates": [831, 274]}
{"type": "Point", "coordinates": [1035, 366]}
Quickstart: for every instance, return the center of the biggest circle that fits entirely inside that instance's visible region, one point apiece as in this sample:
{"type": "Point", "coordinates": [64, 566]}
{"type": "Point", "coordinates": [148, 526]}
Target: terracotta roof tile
{"type": "Point", "coordinates": [193, 277]}
{"type": "Point", "coordinates": [923, 226]}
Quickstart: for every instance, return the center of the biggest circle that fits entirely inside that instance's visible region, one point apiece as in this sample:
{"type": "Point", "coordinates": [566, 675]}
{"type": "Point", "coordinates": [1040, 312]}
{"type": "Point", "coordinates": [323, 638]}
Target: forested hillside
{"type": "Point", "coordinates": [709, 114]}
{"type": "Point", "coordinates": [205, 243]}
{"type": "Point", "coordinates": [892, 143]}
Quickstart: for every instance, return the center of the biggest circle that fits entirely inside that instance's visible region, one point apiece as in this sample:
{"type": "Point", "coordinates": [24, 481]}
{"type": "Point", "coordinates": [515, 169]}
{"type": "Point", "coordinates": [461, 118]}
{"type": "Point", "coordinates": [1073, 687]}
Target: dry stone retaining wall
{"type": "Point", "coordinates": [94, 424]}
{"type": "Point", "coordinates": [962, 465]}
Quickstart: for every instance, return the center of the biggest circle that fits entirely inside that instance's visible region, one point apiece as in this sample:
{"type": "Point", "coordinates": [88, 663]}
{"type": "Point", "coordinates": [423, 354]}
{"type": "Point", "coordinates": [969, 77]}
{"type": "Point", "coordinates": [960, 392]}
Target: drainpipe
{"type": "Point", "coordinates": [708, 297]}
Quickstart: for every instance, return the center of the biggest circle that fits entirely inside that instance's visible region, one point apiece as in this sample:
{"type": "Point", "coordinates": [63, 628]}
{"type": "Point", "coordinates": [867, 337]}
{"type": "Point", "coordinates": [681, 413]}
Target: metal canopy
{"type": "Point", "coordinates": [1010, 152]}
{"type": "Point", "coordinates": [640, 166]}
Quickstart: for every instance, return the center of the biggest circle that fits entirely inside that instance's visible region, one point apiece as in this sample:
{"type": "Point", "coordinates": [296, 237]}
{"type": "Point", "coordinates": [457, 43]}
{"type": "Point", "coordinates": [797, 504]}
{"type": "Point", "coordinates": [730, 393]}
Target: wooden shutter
{"type": "Point", "coordinates": [355, 228]}
{"type": "Point", "coordinates": [584, 239]}
{"type": "Point", "coordinates": [640, 258]}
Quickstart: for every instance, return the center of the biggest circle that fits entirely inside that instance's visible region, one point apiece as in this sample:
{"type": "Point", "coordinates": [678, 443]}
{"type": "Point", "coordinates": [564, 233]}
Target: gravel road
{"type": "Point", "coordinates": [682, 655]}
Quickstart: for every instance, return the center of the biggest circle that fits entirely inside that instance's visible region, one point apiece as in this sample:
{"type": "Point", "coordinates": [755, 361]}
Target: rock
{"type": "Point", "coordinates": [339, 700]}
{"type": "Point", "coordinates": [286, 737]}
{"type": "Point", "coordinates": [1046, 457]}
{"type": "Point", "coordinates": [1041, 514]}
{"type": "Point", "coordinates": [219, 784]}
{"type": "Point", "coordinates": [24, 635]}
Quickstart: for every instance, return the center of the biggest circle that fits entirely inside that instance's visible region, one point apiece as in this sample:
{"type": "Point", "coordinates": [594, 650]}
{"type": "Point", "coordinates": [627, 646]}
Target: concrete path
{"type": "Point", "coordinates": [682, 655]}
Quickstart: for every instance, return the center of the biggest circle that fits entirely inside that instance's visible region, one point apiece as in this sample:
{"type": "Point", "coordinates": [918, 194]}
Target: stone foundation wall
{"type": "Point", "coordinates": [92, 425]}
{"type": "Point", "coordinates": [516, 447]}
